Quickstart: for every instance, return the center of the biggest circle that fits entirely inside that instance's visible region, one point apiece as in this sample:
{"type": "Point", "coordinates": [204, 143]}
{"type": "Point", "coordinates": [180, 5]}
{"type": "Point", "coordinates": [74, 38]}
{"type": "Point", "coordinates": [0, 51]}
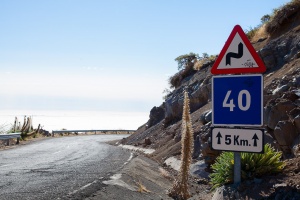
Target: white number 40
{"type": "Point", "coordinates": [231, 104]}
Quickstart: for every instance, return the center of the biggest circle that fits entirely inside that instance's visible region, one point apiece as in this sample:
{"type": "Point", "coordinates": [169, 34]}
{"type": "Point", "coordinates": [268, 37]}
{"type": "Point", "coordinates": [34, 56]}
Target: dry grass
{"type": "Point", "coordinates": [198, 65]}
{"type": "Point", "coordinates": [260, 33]}
{"type": "Point", "coordinates": [142, 188]}
{"type": "Point", "coordinates": [165, 173]}
{"type": "Point", "coordinates": [204, 61]}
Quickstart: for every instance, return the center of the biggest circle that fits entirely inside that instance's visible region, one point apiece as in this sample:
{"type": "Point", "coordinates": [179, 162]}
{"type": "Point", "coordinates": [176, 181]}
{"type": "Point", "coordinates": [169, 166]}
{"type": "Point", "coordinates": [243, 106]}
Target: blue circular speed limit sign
{"type": "Point", "coordinates": [237, 100]}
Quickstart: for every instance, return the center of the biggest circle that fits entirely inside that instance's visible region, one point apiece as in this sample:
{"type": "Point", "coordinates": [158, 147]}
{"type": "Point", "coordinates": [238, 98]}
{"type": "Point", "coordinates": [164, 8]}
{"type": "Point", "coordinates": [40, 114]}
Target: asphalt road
{"type": "Point", "coordinates": [59, 168]}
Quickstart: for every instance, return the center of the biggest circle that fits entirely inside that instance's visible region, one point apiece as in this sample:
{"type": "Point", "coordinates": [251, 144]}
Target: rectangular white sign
{"type": "Point", "coordinates": [242, 140]}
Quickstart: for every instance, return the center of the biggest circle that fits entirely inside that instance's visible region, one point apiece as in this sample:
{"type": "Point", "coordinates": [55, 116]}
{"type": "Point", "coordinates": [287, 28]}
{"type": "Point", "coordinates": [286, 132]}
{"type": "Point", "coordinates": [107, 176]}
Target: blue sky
{"type": "Point", "coordinates": [107, 55]}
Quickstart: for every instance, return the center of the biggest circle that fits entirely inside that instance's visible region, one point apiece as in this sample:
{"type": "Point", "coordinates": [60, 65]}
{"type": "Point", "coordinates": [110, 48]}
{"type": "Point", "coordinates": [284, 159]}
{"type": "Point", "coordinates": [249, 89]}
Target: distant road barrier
{"type": "Point", "coordinates": [90, 131]}
{"type": "Point", "coordinates": [10, 136]}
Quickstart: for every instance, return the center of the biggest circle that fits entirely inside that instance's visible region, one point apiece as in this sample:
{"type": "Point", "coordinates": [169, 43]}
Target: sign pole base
{"type": "Point", "coordinates": [237, 168]}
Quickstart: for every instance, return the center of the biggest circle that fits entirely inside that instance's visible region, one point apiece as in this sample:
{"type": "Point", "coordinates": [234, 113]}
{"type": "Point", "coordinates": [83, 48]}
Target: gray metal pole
{"type": "Point", "coordinates": [237, 168]}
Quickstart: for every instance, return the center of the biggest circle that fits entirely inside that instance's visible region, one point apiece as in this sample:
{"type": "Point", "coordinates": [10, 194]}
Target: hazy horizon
{"type": "Point", "coordinates": [107, 55]}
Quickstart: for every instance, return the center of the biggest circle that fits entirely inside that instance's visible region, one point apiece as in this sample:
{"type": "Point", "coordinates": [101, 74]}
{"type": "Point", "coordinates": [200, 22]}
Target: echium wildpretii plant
{"type": "Point", "coordinates": [180, 186]}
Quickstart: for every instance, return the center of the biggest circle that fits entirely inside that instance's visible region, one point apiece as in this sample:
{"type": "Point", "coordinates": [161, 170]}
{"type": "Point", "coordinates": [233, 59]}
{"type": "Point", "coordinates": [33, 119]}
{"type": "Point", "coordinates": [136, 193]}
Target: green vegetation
{"type": "Point", "coordinates": [252, 31]}
{"type": "Point", "coordinates": [265, 19]}
{"type": "Point", "coordinates": [253, 165]}
{"type": "Point", "coordinates": [180, 186]}
{"type": "Point", "coordinates": [186, 60]}
{"type": "Point", "coordinates": [187, 65]}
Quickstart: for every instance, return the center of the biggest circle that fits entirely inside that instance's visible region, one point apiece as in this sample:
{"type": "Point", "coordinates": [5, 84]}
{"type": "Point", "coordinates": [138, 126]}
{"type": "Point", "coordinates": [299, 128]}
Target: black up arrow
{"type": "Point", "coordinates": [255, 138]}
{"type": "Point", "coordinates": [219, 136]}
{"type": "Point", "coordinates": [234, 55]}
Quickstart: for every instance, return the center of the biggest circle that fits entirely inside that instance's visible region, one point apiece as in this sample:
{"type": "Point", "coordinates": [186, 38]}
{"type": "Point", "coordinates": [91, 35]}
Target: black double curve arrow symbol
{"type": "Point", "coordinates": [234, 55]}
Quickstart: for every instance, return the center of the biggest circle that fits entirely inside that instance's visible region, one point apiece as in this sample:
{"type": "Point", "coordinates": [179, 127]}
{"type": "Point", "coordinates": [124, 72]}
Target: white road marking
{"type": "Point", "coordinates": [116, 180]}
{"type": "Point", "coordinates": [56, 152]}
{"type": "Point", "coordinates": [6, 165]}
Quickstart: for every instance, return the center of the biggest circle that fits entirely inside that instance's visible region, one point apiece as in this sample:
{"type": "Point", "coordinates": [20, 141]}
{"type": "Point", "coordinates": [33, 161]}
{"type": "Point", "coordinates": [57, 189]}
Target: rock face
{"type": "Point", "coordinates": [209, 155]}
{"type": "Point", "coordinates": [278, 112]}
{"type": "Point", "coordinates": [282, 110]}
{"type": "Point", "coordinates": [285, 133]}
{"type": "Point", "coordinates": [199, 89]}
{"type": "Point", "coordinates": [281, 50]}
{"type": "Point", "coordinates": [156, 115]}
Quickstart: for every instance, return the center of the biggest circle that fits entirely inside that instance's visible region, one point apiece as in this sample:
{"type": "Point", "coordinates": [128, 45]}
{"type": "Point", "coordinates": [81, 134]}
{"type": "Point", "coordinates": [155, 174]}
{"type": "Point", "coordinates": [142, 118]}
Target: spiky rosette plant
{"type": "Point", "coordinates": [252, 165]}
{"type": "Point", "coordinates": [180, 186]}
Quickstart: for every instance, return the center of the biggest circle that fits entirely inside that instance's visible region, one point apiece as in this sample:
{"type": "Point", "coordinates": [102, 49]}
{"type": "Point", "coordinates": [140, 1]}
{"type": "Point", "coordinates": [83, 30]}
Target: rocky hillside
{"type": "Point", "coordinates": [278, 45]}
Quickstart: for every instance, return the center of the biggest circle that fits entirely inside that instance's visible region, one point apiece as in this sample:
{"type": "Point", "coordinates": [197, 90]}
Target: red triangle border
{"type": "Point", "coordinates": [261, 66]}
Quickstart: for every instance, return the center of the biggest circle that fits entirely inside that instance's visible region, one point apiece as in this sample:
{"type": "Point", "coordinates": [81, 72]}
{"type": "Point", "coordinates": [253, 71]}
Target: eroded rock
{"type": "Point", "coordinates": [285, 134]}
{"type": "Point", "coordinates": [278, 113]}
{"type": "Point", "coordinates": [157, 114]}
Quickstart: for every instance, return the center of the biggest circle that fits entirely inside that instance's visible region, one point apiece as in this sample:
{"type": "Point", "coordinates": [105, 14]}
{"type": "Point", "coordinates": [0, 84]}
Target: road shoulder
{"type": "Point", "coordinates": [140, 178]}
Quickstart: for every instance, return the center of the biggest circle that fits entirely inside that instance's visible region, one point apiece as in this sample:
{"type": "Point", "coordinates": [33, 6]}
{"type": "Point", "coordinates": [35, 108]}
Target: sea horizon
{"type": "Point", "coordinates": [76, 119]}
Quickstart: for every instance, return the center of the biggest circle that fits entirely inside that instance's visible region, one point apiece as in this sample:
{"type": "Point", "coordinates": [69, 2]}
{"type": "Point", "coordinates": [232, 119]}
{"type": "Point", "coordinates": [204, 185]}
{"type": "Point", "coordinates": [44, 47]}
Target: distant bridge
{"type": "Point", "coordinates": [91, 131]}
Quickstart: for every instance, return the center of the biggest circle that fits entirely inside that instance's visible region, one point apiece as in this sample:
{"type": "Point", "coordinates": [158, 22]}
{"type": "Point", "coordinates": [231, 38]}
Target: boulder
{"type": "Point", "coordinates": [198, 170]}
{"type": "Point", "coordinates": [147, 141]}
{"type": "Point", "coordinates": [294, 113]}
{"type": "Point", "coordinates": [208, 153]}
{"type": "Point", "coordinates": [197, 147]}
{"type": "Point", "coordinates": [296, 147]}
{"type": "Point", "coordinates": [280, 89]}
{"type": "Point", "coordinates": [296, 81]}
{"type": "Point", "coordinates": [269, 61]}
{"type": "Point", "coordinates": [205, 117]}
{"type": "Point", "coordinates": [267, 98]}
{"type": "Point", "coordinates": [266, 114]}
{"type": "Point", "coordinates": [157, 114]}
{"type": "Point", "coordinates": [290, 95]}
{"type": "Point", "coordinates": [174, 107]}
{"type": "Point", "coordinates": [279, 113]}
{"type": "Point", "coordinates": [200, 96]}
{"type": "Point", "coordinates": [208, 116]}
{"type": "Point", "coordinates": [285, 134]}
{"type": "Point", "coordinates": [297, 123]}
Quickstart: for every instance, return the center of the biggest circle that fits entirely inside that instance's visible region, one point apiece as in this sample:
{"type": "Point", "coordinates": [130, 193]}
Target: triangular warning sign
{"type": "Point", "coordinates": [238, 56]}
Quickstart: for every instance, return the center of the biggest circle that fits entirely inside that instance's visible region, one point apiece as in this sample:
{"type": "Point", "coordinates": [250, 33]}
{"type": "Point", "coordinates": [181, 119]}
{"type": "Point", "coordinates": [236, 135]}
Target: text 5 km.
{"type": "Point", "coordinates": [248, 140]}
{"type": "Point", "coordinates": [235, 140]}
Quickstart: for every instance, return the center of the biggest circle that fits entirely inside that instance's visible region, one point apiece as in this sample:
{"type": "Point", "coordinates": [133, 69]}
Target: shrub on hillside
{"type": "Point", "coordinates": [252, 31]}
{"type": "Point", "coordinates": [188, 64]}
{"type": "Point", "coordinates": [176, 79]}
{"type": "Point", "coordinates": [281, 15]}
{"type": "Point", "coordinates": [185, 65]}
{"type": "Point", "coordinates": [204, 60]}
{"type": "Point", "coordinates": [186, 60]}
{"type": "Point", "coordinates": [252, 165]}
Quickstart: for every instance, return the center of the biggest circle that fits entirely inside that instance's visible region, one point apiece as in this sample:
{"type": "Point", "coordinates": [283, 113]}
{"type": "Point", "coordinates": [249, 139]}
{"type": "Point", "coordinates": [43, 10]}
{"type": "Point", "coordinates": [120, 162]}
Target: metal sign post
{"type": "Point", "coordinates": [237, 100]}
{"type": "Point", "coordinates": [237, 168]}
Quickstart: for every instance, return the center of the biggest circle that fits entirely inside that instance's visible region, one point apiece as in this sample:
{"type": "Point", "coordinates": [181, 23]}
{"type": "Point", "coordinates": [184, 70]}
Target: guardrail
{"type": "Point", "coordinates": [10, 136]}
{"type": "Point", "coordinates": [89, 131]}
